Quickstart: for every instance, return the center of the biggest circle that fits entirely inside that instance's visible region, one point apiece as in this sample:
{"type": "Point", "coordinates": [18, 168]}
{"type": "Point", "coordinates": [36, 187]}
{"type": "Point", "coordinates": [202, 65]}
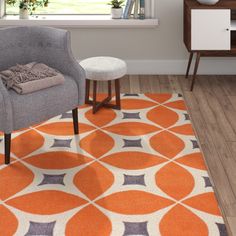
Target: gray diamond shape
{"type": "Point", "coordinates": [135, 228]}
{"type": "Point", "coordinates": [62, 143]}
{"type": "Point", "coordinates": [134, 180]}
{"type": "Point", "coordinates": [132, 143]}
{"type": "Point", "coordinates": [53, 179]}
{"type": "Point", "coordinates": [66, 115]}
{"type": "Point", "coordinates": [186, 116]}
{"type": "Point", "coordinates": [195, 144]}
{"type": "Point", "coordinates": [222, 229]}
{"type": "Point", "coordinates": [42, 229]}
{"type": "Point", "coordinates": [207, 181]}
{"type": "Point", "coordinates": [127, 115]}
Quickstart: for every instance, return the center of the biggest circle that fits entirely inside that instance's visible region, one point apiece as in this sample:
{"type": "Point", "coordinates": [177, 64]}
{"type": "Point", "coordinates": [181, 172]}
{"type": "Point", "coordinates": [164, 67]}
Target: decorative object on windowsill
{"type": "Point", "coordinates": [27, 7]}
{"type": "Point", "coordinates": [128, 9]}
{"type": "Point", "coordinates": [142, 10]}
{"type": "Point", "coordinates": [23, 12]}
{"type": "Point", "coordinates": [116, 8]}
{"type": "Point", "coordinates": [208, 2]}
{"type": "Point", "coordinates": [134, 9]}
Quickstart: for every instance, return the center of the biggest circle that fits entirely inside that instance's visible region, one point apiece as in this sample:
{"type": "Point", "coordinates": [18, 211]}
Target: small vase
{"type": "Point", "coordinates": [24, 14]}
{"type": "Point", "coordinates": [116, 13]}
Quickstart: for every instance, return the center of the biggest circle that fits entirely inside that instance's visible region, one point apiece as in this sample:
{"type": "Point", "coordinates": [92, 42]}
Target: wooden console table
{"type": "Point", "coordinates": [209, 31]}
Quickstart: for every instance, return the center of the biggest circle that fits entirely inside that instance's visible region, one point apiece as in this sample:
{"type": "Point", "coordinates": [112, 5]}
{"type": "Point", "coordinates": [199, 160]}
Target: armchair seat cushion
{"type": "Point", "coordinates": [39, 106]}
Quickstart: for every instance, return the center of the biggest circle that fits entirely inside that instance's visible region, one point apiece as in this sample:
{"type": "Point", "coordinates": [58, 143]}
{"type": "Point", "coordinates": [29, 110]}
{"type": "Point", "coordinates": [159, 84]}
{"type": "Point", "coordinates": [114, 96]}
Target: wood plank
{"type": "Point", "coordinates": [232, 224]}
{"type": "Point", "coordinates": [233, 149]}
{"type": "Point", "coordinates": [164, 84]}
{"type": "Point", "coordinates": [219, 105]}
{"type": "Point", "coordinates": [211, 111]}
{"type": "Point", "coordinates": [185, 83]}
{"type": "Point", "coordinates": [144, 83]}
{"type": "Point", "coordinates": [189, 96]}
{"type": "Point", "coordinates": [233, 101]}
{"type": "Point", "coordinates": [228, 84]}
{"type": "Point", "coordinates": [174, 84]}
{"type": "Point", "coordinates": [155, 84]}
{"type": "Point", "coordinates": [125, 84]}
{"type": "Point", "coordinates": [134, 84]}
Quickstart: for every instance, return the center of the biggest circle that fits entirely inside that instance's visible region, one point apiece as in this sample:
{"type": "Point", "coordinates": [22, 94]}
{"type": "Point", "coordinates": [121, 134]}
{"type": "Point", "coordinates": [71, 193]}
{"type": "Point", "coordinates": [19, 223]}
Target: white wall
{"type": "Point", "coordinates": [147, 51]}
{"type": "Point", "coordinates": [163, 42]}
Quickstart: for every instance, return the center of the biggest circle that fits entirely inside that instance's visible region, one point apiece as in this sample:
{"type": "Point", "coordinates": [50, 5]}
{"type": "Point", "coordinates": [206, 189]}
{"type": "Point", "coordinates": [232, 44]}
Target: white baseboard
{"type": "Point", "coordinates": [207, 66]}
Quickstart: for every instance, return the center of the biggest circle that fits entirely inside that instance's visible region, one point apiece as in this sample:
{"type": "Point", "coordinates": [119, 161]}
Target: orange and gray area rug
{"type": "Point", "coordinates": [138, 171]}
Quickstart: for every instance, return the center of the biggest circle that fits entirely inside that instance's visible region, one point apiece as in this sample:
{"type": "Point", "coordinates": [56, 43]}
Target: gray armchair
{"type": "Point", "coordinates": [52, 47]}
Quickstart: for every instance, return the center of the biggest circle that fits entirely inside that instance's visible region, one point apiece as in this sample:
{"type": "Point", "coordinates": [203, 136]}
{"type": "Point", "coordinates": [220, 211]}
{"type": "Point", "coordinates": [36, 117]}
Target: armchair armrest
{"type": "Point", "coordinates": [73, 69]}
{"type": "Point", "coordinates": [6, 118]}
{"type": "Point", "coordinates": [54, 47]}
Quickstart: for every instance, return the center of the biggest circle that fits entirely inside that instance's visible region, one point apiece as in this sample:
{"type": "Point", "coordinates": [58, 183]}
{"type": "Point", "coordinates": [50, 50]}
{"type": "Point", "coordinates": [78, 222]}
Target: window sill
{"type": "Point", "coordinates": [79, 21]}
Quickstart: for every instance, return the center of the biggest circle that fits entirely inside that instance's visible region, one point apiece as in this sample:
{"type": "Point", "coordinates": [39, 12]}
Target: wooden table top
{"type": "Point", "coordinates": [222, 4]}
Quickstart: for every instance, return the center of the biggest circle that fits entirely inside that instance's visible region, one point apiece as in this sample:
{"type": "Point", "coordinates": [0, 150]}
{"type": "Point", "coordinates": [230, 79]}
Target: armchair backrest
{"type": "Point", "coordinates": [32, 43]}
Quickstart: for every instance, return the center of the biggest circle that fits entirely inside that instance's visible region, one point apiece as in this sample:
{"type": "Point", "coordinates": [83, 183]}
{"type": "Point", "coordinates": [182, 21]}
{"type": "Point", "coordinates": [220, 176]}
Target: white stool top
{"type": "Point", "coordinates": [104, 68]}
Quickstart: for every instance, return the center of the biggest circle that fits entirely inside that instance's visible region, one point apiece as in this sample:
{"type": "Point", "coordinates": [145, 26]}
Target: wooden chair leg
{"type": "Point", "coordinates": [117, 88]}
{"type": "Point", "coordinates": [75, 121]}
{"type": "Point", "coordinates": [94, 96]}
{"type": "Point", "coordinates": [87, 91]}
{"type": "Point", "coordinates": [195, 70]}
{"type": "Point", "coordinates": [189, 64]}
{"type": "Point", "coordinates": [7, 141]}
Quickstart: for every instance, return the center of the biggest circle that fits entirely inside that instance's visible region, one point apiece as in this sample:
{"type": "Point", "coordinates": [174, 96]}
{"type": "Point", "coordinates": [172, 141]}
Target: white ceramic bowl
{"type": "Point", "coordinates": [208, 2]}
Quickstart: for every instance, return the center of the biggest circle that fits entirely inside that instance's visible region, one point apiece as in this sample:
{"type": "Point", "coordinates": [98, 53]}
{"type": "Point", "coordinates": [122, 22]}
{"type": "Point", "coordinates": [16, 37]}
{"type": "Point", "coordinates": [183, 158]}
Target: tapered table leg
{"type": "Point", "coordinates": [195, 70]}
{"type": "Point", "coordinates": [189, 64]}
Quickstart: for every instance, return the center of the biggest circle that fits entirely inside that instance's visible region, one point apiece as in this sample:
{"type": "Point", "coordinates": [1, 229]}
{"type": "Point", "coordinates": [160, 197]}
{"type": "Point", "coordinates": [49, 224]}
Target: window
{"type": "Point", "coordinates": [68, 7]}
{"type": "Point", "coordinates": [75, 13]}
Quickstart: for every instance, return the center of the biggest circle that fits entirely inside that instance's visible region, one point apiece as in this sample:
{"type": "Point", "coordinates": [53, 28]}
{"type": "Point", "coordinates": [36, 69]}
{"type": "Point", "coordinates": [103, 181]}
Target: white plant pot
{"type": "Point", "coordinates": [116, 13]}
{"type": "Point", "coordinates": [208, 2]}
{"type": "Point", "coordinates": [24, 14]}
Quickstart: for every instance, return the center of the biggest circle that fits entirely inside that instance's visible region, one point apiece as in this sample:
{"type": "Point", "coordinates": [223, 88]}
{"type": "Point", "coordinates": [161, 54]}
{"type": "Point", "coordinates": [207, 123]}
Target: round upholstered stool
{"type": "Point", "coordinates": [103, 69]}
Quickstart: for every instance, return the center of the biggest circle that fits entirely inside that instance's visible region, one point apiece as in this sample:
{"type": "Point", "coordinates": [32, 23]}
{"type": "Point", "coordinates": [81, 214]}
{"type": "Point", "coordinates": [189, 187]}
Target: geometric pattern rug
{"type": "Point", "coordinates": [138, 171]}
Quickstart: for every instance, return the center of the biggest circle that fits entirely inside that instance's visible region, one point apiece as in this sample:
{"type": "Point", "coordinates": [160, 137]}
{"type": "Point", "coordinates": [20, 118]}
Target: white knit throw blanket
{"type": "Point", "coordinates": [31, 77]}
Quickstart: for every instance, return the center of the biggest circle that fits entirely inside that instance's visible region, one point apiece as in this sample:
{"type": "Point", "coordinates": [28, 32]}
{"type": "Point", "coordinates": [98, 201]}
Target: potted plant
{"type": "Point", "coordinates": [27, 7]}
{"type": "Point", "coordinates": [116, 8]}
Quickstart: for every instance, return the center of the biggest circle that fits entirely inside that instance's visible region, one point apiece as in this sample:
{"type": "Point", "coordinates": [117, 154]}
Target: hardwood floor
{"type": "Point", "coordinates": [212, 106]}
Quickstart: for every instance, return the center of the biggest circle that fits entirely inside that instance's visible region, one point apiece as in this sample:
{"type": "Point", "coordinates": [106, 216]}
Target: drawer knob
{"type": "Point", "coordinates": [227, 29]}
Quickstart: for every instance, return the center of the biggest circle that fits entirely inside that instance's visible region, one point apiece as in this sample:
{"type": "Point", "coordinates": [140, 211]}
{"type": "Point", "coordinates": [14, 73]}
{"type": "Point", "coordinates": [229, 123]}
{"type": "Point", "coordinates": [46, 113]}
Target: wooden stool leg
{"type": "Point", "coordinates": [195, 70]}
{"type": "Point", "coordinates": [189, 64]}
{"type": "Point", "coordinates": [117, 88]}
{"type": "Point", "coordinates": [87, 91]}
{"type": "Point", "coordinates": [7, 141]}
{"type": "Point", "coordinates": [109, 89]}
{"type": "Point", "coordinates": [94, 96]}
